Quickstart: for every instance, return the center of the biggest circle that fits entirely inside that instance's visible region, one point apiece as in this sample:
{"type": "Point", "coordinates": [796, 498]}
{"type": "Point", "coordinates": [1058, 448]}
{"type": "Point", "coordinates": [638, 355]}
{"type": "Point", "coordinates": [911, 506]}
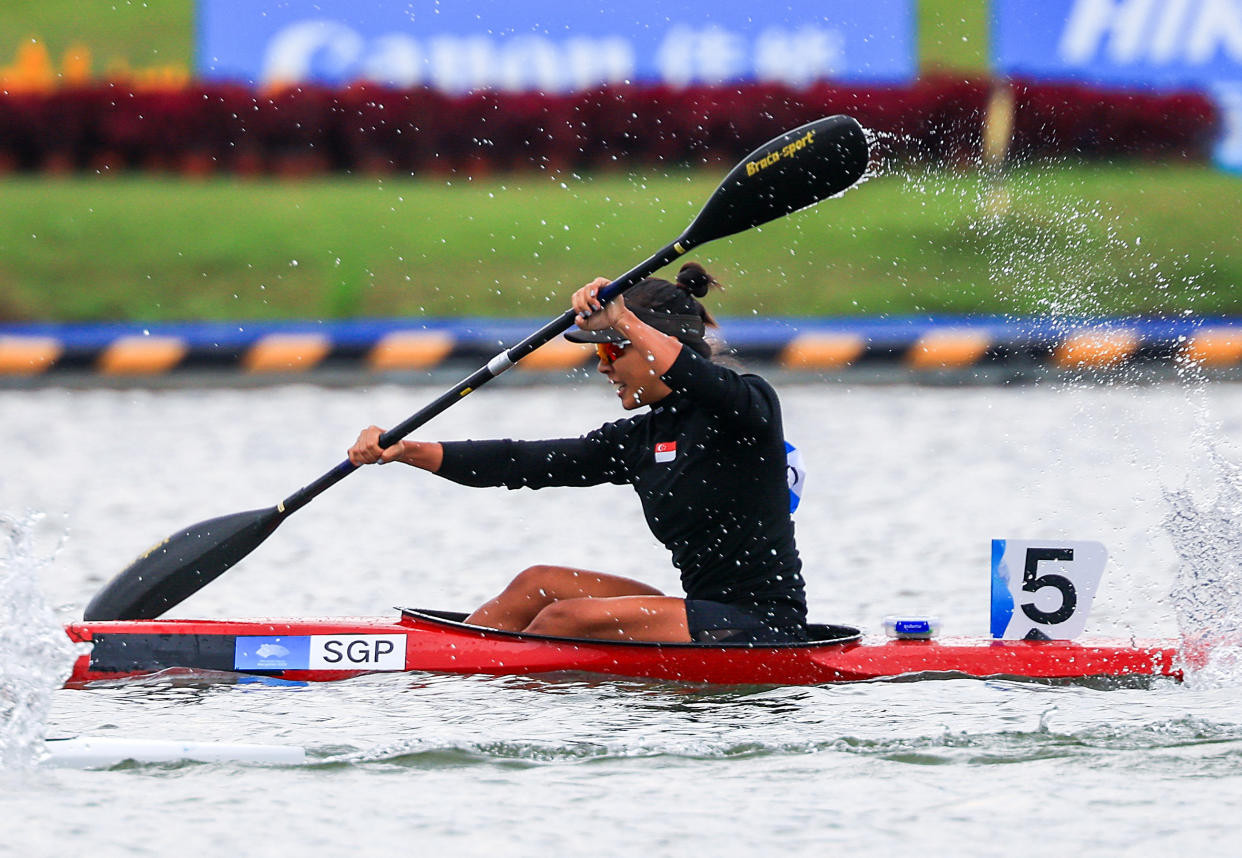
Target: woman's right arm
{"type": "Point", "coordinates": [587, 461]}
{"type": "Point", "coordinates": [428, 455]}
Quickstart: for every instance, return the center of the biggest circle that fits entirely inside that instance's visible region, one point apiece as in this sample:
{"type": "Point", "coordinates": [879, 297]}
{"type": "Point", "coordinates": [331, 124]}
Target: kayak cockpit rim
{"type": "Point", "coordinates": [818, 634]}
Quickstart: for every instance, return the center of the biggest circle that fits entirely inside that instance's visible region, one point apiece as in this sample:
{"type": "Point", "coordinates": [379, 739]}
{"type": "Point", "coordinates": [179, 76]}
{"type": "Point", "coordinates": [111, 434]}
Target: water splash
{"type": "Point", "coordinates": [35, 654]}
{"type": "Point", "coordinates": [1064, 263]}
{"type": "Point", "coordinates": [1207, 592]}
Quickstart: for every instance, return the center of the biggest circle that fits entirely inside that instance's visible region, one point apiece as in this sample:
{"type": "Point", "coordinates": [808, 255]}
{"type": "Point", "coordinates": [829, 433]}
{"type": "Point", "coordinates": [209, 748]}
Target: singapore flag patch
{"type": "Point", "coordinates": [665, 451]}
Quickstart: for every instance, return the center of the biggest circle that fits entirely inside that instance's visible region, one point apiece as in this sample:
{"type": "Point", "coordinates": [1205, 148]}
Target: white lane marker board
{"type": "Point", "coordinates": [1044, 589]}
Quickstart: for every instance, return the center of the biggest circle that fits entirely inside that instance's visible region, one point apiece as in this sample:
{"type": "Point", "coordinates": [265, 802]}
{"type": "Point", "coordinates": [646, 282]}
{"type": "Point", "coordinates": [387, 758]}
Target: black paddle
{"type": "Point", "coordinates": [793, 171]}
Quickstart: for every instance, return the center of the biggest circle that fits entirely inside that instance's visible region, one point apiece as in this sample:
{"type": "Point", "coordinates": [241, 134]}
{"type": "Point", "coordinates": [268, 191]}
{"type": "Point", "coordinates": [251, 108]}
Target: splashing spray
{"type": "Point", "coordinates": [1207, 593]}
{"type": "Point", "coordinates": [35, 654]}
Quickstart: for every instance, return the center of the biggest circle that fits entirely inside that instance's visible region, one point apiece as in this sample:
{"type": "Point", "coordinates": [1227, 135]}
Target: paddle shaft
{"type": "Point", "coordinates": [484, 374]}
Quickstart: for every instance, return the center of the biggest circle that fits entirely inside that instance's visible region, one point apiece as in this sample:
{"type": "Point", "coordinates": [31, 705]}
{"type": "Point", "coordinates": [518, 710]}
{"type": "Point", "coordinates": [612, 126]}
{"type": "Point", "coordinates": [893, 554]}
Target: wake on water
{"type": "Point", "coordinates": [35, 654]}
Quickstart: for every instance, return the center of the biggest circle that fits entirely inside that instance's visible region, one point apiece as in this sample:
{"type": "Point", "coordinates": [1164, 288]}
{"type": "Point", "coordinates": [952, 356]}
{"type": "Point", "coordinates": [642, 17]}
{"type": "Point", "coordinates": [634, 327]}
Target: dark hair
{"type": "Point", "coordinates": [674, 308]}
{"type": "Point", "coordinates": [681, 297]}
{"type": "Point", "coordinates": [693, 278]}
{"type": "Point", "coordinates": [671, 308]}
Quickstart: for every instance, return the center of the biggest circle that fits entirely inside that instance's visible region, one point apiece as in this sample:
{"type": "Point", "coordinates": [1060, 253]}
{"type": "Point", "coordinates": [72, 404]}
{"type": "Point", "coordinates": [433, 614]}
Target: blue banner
{"type": "Point", "coordinates": [1159, 44]}
{"type": "Point", "coordinates": [554, 45]}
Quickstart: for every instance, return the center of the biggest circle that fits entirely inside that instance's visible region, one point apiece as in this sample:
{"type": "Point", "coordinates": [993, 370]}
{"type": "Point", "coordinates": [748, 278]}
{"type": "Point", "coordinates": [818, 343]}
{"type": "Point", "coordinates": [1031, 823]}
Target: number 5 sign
{"type": "Point", "coordinates": [1043, 590]}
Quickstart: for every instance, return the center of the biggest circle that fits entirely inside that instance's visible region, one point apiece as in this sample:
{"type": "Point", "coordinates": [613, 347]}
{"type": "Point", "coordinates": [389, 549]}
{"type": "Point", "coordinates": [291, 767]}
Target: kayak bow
{"type": "Point", "coordinates": [320, 650]}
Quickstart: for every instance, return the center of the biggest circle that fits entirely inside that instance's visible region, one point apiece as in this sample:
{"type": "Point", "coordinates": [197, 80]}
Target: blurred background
{"type": "Point", "coordinates": [241, 160]}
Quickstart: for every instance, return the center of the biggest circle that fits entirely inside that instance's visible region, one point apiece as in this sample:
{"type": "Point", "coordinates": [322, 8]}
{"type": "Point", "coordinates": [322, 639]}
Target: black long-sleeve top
{"type": "Point", "coordinates": [708, 464]}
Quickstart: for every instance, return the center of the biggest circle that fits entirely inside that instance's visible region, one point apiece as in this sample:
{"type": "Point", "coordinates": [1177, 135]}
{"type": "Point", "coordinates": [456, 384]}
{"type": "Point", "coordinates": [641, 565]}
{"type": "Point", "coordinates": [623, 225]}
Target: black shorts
{"type": "Point", "coordinates": [716, 622]}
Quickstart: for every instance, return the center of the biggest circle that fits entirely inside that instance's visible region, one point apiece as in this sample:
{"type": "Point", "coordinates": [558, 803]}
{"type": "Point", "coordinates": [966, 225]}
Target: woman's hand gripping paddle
{"type": "Point", "coordinates": [790, 172]}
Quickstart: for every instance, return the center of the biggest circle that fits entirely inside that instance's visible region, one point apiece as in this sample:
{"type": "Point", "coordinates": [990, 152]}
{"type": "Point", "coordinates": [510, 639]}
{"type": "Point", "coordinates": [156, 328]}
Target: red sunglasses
{"type": "Point", "coordinates": [610, 351]}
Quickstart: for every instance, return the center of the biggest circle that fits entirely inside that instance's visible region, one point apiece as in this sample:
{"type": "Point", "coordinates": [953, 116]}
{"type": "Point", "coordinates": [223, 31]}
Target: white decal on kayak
{"type": "Point", "coordinates": [357, 652]}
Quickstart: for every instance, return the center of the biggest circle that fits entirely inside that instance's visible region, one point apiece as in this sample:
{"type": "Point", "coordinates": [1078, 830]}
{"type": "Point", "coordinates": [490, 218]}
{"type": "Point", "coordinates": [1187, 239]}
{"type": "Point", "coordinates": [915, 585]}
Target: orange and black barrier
{"type": "Point", "coordinates": [35, 354]}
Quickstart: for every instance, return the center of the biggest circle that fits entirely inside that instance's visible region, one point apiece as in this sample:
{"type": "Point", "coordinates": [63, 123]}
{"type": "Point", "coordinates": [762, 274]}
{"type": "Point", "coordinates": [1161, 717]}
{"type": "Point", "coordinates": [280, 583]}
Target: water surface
{"type": "Point", "coordinates": [907, 487]}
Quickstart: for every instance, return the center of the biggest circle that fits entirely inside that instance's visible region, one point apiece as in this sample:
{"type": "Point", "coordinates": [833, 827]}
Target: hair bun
{"type": "Point", "coordinates": [694, 279]}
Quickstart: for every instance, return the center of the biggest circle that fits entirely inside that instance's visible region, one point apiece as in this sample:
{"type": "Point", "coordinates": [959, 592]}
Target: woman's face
{"type": "Point", "coordinates": [631, 373]}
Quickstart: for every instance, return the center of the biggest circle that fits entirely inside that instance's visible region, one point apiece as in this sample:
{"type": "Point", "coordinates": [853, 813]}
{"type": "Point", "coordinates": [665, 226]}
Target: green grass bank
{"type": "Point", "coordinates": [1095, 241]}
{"type": "Point", "coordinates": [1091, 240]}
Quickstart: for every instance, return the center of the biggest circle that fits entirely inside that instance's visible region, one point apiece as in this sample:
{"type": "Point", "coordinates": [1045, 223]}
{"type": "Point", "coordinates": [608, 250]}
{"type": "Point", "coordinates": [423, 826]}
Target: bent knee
{"type": "Point", "coordinates": [553, 582]}
{"type": "Point", "coordinates": [540, 580]}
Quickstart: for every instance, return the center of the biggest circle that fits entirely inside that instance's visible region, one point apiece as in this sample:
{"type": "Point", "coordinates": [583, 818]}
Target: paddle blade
{"type": "Point", "coordinates": [182, 565]}
{"type": "Point", "coordinates": [793, 171]}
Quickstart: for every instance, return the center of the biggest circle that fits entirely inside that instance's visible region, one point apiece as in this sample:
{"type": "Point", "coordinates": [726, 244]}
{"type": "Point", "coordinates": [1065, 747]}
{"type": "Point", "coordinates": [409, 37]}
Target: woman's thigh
{"type": "Point", "coordinates": [537, 587]}
{"type": "Point", "coordinates": [565, 582]}
{"type": "Point", "coordinates": [633, 618]}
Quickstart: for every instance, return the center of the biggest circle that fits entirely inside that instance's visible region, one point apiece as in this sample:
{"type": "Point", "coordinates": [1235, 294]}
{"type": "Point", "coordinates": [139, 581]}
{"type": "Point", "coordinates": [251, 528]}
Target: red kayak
{"type": "Point", "coordinates": [320, 650]}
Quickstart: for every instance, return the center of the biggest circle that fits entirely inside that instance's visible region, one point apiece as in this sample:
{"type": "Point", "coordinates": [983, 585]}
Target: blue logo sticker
{"type": "Point", "coordinates": [1002, 599]}
{"type": "Point", "coordinates": [272, 653]}
{"type": "Point", "coordinates": [795, 475]}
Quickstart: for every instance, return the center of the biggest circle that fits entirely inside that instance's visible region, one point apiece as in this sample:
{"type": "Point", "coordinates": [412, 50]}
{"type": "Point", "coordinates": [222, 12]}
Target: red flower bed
{"type": "Point", "coordinates": [1059, 120]}
{"type": "Point", "coordinates": [370, 128]}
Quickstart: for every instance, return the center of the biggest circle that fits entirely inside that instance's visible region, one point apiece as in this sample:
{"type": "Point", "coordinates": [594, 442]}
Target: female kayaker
{"type": "Point", "coordinates": [707, 461]}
